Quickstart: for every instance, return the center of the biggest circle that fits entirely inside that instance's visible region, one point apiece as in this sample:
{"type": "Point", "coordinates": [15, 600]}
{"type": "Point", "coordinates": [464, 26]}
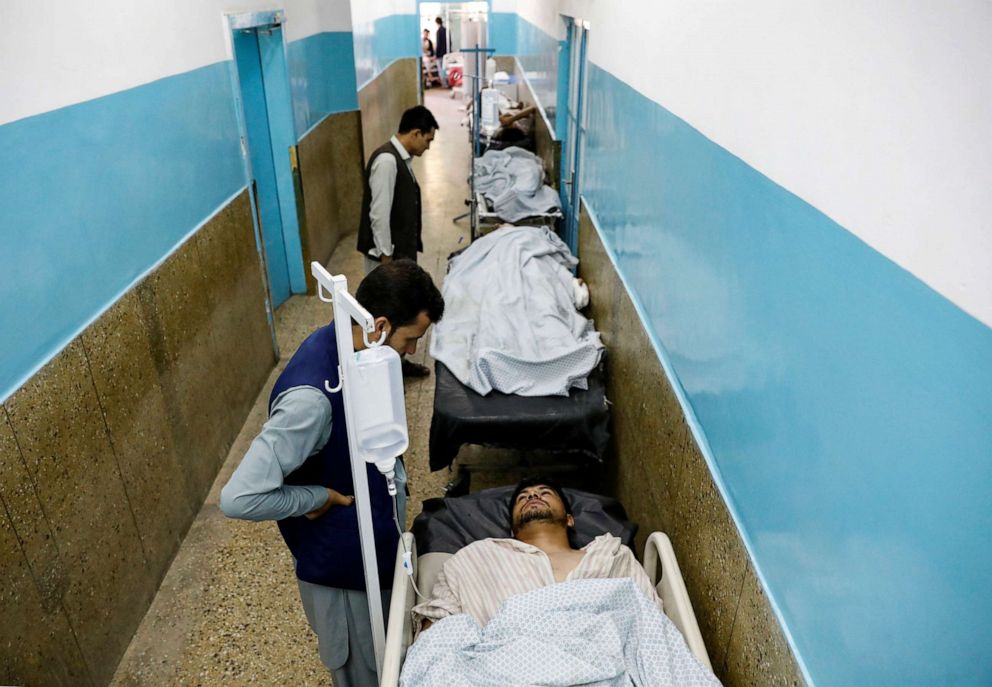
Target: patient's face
{"type": "Point", "coordinates": [539, 503]}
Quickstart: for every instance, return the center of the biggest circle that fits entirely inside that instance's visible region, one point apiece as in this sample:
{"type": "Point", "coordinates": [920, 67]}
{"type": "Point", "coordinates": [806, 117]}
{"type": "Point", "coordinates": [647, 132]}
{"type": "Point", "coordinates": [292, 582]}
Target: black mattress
{"type": "Point", "coordinates": [577, 423]}
{"type": "Point", "coordinates": [445, 525]}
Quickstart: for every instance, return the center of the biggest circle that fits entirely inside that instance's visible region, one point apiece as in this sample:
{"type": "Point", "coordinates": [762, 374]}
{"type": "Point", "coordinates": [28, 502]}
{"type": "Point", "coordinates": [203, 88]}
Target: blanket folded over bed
{"type": "Point", "coordinates": [510, 322]}
{"type": "Point", "coordinates": [602, 633]}
{"type": "Point", "coordinates": [513, 181]}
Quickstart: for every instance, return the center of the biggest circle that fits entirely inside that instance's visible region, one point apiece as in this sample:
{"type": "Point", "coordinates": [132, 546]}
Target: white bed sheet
{"type": "Point", "coordinates": [510, 322]}
{"type": "Point", "coordinates": [513, 181]}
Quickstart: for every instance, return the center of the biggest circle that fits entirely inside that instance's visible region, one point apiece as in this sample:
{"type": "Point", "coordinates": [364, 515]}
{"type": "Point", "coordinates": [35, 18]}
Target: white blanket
{"type": "Point", "coordinates": [513, 181]}
{"type": "Point", "coordinates": [598, 633]}
{"type": "Point", "coordinates": [510, 322]}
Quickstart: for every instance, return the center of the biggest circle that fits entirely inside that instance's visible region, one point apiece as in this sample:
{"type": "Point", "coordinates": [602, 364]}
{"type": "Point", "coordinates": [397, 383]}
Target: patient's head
{"type": "Point", "coordinates": [539, 500]}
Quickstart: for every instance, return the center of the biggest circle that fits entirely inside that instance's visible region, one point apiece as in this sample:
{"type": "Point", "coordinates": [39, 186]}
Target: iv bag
{"type": "Point", "coordinates": [489, 112]}
{"type": "Point", "coordinates": [375, 390]}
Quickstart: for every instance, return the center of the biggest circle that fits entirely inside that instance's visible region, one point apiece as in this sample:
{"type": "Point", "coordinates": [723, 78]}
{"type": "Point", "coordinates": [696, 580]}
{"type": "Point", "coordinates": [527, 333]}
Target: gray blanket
{"type": "Point", "coordinates": [510, 322]}
{"type": "Point", "coordinates": [513, 181]}
{"type": "Point", "coordinates": [598, 633]}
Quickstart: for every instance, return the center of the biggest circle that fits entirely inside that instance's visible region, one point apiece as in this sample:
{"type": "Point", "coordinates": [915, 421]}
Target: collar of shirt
{"type": "Point", "coordinates": [605, 541]}
{"type": "Point", "coordinates": [404, 155]}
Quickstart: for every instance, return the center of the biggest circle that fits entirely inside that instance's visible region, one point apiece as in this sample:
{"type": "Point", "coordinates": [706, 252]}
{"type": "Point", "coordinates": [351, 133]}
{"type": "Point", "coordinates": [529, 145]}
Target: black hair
{"type": "Point", "coordinates": [438, 21]}
{"type": "Point", "coordinates": [400, 291]}
{"type": "Point", "coordinates": [417, 117]}
{"type": "Point", "coordinates": [535, 481]}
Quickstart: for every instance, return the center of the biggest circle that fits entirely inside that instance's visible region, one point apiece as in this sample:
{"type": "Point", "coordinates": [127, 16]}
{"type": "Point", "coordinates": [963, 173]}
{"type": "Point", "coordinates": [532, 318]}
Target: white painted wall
{"type": "Point", "coordinates": [317, 16]}
{"type": "Point", "coordinates": [547, 15]}
{"type": "Point", "coordinates": [879, 114]}
{"type": "Point", "coordinates": [65, 52]}
{"type": "Point", "coordinates": [504, 5]}
{"type": "Point", "coordinates": [367, 11]}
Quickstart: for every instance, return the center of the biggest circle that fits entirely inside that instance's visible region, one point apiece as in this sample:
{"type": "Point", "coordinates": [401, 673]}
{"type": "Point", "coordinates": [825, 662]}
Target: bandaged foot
{"type": "Point", "coordinates": [580, 293]}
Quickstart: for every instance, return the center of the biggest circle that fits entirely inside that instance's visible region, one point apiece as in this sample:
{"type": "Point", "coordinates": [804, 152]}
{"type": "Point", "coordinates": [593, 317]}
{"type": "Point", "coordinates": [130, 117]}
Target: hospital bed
{"type": "Point", "coordinates": [574, 429]}
{"type": "Point", "coordinates": [488, 218]}
{"type": "Point", "coordinates": [576, 426]}
{"type": "Point", "coordinates": [542, 207]}
{"type": "Point", "coordinates": [448, 524]}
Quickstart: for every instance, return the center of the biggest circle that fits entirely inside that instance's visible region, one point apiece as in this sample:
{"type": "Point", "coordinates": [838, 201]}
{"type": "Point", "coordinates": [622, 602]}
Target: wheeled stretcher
{"type": "Point", "coordinates": [489, 219]}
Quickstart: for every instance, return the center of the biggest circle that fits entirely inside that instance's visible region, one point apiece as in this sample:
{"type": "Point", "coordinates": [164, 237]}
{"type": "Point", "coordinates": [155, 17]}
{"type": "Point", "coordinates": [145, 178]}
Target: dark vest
{"type": "Point", "coordinates": [442, 42]}
{"type": "Point", "coordinates": [404, 216]}
{"type": "Point", "coordinates": [328, 550]}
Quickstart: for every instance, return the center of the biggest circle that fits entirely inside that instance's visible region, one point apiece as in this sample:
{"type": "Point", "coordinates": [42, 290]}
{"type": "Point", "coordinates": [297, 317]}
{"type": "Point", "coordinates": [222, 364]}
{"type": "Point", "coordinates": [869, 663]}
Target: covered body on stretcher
{"type": "Point", "coordinates": [518, 364]}
{"type": "Point", "coordinates": [445, 522]}
{"type": "Point", "coordinates": [511, 187]}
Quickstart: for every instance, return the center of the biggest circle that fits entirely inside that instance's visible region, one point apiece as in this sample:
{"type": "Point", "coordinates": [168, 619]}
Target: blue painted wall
{"type": "Point", "coordinates": [503, 32]}
{"type": "Point", "coordinates": [93, 195]}
{"type": "Point", "coordinates": [322, 77]}
{"type": "Point", "coordinates": [537, 53]}
{"type": "Point", "coordinates": [847, 406]}
{"type": "Point", "coordinates": [380, 42]}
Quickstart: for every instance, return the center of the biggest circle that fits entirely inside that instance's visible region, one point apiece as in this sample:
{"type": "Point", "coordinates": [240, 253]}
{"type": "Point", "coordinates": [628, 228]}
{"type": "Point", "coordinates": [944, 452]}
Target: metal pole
{"type": "Point", "coordinates": [476, 106]}
{"type": "Point", "coordinates": [475, 145]}
{"type": "Point", "coordinates": [346, 308]}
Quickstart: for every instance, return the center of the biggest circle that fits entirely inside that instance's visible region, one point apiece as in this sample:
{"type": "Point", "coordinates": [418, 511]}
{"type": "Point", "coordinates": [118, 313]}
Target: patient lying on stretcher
{"type": "Point", "coordinates": [531, 610]}
{"type": "Point", "coordinates": [481, 576]}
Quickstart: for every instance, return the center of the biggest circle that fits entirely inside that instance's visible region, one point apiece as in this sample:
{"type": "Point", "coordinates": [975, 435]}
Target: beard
{"type": "Point", "coordinates": [530, 515]}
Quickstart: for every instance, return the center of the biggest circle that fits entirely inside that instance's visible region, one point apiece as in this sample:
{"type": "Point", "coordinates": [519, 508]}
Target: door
{"type": "Point", "coordinates": [574, 125]}
{"type": "Point", "coordinates": [268, 130]}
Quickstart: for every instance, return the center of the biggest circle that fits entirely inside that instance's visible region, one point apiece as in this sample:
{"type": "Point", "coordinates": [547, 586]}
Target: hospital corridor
{"type": "Point", "coordinates": [381, 343]}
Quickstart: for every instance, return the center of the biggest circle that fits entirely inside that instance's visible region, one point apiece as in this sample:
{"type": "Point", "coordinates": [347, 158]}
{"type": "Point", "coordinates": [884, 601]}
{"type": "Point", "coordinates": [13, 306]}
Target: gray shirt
{"type": "Point", "coordinates": [298, 427]}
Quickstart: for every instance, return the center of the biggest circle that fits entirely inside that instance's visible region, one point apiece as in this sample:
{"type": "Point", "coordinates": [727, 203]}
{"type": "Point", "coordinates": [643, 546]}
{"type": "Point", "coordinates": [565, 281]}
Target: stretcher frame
{"type": "Point", "coordinates": [492, 220]}
{"type": "Point", "coordinates": [659, 562]}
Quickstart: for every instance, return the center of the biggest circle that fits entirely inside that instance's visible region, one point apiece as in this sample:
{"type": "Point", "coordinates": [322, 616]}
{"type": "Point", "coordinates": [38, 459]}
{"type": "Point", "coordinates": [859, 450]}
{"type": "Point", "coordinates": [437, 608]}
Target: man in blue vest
{"type": "Point", "coordinates": [297, 471]}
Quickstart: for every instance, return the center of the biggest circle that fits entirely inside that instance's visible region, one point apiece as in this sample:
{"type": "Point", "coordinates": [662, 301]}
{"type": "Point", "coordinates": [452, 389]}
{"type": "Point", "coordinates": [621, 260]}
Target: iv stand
{"type": "Point", "coordinates": [473, 203]}
{"type": "Point", "coordinates": [346, 309]}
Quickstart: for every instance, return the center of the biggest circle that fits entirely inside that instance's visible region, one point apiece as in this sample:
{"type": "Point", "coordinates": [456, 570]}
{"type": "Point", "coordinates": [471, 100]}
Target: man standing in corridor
{"type": "Point", "coordinates": [297, 472]}
{"type": "Point", "coordinates": [441, 49]}
{"type": "Point", "coordinates": [390, 226]}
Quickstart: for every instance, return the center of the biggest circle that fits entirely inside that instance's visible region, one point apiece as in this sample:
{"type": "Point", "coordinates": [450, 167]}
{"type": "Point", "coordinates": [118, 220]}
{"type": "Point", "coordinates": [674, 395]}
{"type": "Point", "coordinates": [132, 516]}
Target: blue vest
{"type": "Point", "coordinates": [328, 550]}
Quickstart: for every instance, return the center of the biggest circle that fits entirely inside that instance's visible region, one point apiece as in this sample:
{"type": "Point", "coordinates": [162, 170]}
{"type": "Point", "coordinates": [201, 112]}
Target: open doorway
{"type": "Point", "coordinates": [466, 25]}
{"type": "Point", "coordinates": [268, 135]}
{"type": "Point", "coordinates": [572, 65]}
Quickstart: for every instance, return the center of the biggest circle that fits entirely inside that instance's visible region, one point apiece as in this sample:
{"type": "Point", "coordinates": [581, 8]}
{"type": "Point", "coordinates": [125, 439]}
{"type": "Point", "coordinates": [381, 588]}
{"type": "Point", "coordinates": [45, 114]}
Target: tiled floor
{"type": "Point", "coordinates": [228, 611]}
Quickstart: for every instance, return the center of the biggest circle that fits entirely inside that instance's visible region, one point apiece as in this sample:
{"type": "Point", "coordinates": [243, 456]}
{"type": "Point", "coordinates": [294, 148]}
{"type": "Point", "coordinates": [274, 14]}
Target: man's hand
{"type": "Point", "coordinates": [334, 498]}
{"type": "Point", "coordinates": [386, 259]}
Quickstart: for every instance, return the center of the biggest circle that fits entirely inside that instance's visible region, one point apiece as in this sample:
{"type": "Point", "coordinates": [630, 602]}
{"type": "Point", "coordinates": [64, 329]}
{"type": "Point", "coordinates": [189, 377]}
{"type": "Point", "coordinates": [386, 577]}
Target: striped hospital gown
{"type": "Point", "coordinates": [477, 579]}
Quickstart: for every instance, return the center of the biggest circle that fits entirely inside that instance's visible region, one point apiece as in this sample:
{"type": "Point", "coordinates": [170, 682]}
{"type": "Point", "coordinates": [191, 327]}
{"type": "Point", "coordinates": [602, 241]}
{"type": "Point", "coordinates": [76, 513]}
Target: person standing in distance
{"type": "Point", "coordinates": [390, 226]}
{"type": "Point", "coordinates": [441, 48]}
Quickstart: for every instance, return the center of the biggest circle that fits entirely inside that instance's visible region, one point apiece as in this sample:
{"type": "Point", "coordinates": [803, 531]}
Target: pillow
{"type": "Point", "coordinates": [447, 524]}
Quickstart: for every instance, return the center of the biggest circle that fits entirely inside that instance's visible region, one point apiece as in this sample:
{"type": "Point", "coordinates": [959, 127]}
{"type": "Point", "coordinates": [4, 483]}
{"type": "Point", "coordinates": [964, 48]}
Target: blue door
{"type": "Point", "coordinates": [253, 49]}
{"type": "Point", "coordinates": [572, 71]}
